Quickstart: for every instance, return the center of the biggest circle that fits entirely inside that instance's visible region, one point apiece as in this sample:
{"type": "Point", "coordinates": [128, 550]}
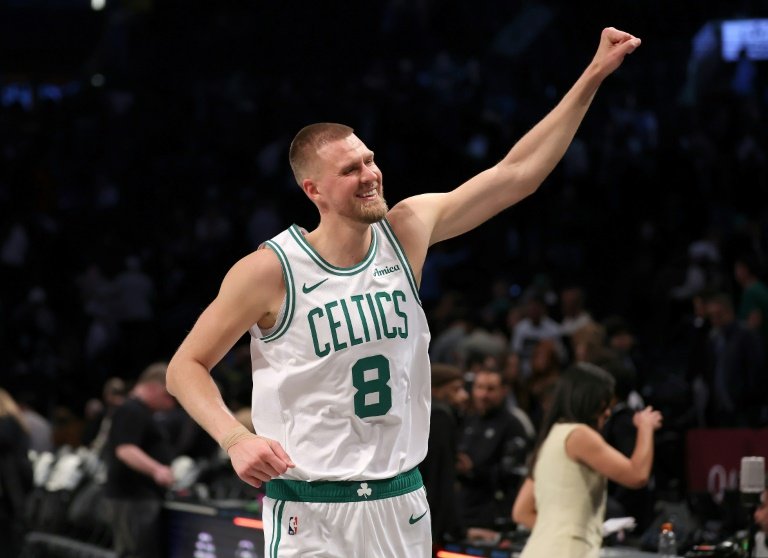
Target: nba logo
{"type": "Point", "coordinates": [293, 525]}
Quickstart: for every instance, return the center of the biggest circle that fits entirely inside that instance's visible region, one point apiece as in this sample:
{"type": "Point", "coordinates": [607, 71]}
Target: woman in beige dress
{"type": "Point", "coordinates": [563, 500]}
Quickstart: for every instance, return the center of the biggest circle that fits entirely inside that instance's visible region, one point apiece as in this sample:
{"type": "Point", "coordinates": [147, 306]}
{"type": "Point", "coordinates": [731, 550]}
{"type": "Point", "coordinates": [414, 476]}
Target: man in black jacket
{"type": "Point", "coordinates": [735, 369]}
{"type": "Point", "coordinates": [492, 453]}
{"type": "Point", "coordinates": [439, 466]}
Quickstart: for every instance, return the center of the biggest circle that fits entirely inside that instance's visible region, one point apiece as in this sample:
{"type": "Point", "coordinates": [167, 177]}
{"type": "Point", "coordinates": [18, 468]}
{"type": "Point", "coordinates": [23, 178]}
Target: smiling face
{"type": "Point", "coordinates": [346, 181]}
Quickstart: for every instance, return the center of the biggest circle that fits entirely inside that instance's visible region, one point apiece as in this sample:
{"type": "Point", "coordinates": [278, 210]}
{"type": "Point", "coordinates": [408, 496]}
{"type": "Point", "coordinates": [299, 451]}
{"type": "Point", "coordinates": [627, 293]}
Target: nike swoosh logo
{"type": "Point", "coordinates": [413, 520]}
{"type": "Point", "coordinates": [308, 290]}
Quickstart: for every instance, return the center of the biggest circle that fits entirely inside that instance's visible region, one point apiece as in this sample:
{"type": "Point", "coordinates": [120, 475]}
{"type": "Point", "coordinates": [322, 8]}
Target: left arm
{"type": "Point", "coordinates": [524, 510]}
{"type": "Point", "coordinates": [138, 460]}
{"type": "Point", "coordinates": [423, 220]}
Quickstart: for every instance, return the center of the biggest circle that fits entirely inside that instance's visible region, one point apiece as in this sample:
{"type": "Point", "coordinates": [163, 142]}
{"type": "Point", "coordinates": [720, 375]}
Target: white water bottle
{"type": "Point", "coordinates": [667, 541]}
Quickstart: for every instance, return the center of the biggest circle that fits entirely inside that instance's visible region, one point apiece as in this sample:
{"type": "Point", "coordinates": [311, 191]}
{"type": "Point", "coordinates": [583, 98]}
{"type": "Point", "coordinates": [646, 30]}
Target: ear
{"type": "Point", "coordinates": [310, 188]}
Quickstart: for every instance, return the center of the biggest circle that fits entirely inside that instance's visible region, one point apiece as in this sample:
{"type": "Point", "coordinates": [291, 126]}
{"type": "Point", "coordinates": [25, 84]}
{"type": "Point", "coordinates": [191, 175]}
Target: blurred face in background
{"type": "Point", "coordinates": [544, 357]}
{"type": "Point", "coordinates": [622, 341]}
{"type": "Point", "coordinates": [741, 273]}
{"type": "Point", "coordinates": [514, 315]}
{"type": "Point", "coordinates": [452, 393]}
{"type": "Point", "coordinates": [512, 368]}
{"type": "Point", "coordinates": [535, 310]}
{"type": "Point", "coordinates": [157, 398]}
{"type": "Point", "coordinates": [488, 392]}
{"type": "Point", "coordinates": [570, 302]}
{"type": "Point", "coordinates": [719, 314]}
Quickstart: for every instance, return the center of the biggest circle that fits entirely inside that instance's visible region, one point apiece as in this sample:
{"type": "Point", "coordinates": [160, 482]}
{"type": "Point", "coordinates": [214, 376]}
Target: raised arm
{"type": "Point", "coordinates": [587, 446]}
{"type": "Point", "coordinates": [250, 293]}
{"type": "Point", "coordinates": [431, 218]}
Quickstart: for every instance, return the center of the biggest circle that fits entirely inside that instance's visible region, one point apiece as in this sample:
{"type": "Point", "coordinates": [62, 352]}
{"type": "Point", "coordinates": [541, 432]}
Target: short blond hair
{"type": "Point", "coordinates": [155, 372]}
{"type": "Point", "coordinates": [9, 408]}
{"type": "Point", "coordinates": [308, 140]}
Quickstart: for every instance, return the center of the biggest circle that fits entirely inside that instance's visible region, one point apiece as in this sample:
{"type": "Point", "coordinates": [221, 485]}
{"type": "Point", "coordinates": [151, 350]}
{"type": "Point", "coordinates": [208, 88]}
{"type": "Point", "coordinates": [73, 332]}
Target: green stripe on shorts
{"type": "Point", "coordinates": [277, 528]}
{"type": "Point", "coordinates": [344, 491]}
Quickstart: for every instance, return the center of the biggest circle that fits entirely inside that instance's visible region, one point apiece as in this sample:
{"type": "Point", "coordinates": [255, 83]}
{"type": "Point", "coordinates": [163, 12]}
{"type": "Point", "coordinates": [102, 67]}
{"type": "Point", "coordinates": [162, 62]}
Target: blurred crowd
{"type": "Point", "coordinates": [131, 180]}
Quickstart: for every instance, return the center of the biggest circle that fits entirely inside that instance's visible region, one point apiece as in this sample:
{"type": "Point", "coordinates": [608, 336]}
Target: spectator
{"type": "Point", "coordinates": [735, 370]}
{"type": "Point", "coordinates": [536, 325]}
{"type": "Point", "coordinates": [572, 306]}
{"type": "Point", "coordinates": [38, 427]}
{"type": "Point", "coordinates": [703, 257]}
{"type": "Point", "coordinates": [588, 342]}
{"type": "Point", "coordinates": [753, 309]}
{"type": "Point", "coordinates": [761, 513]}
{"type": "Point", "coordinates": [186, 436]}
{"type": "Point", "coordinates": [622, 344]}
{"type": "Point", "coordinates": [99, 419]}
{"type": "Point", "coordinates": [438, 469]}
{"type": "Point", "coordinates": [15, 473]}
{"type": "Point", "coordinates": [493, 448]}
{"type": "Point", "coordinates": [137, 458]}
{"type": "Point", "coordinates": [563, 501]}
{"type": "Point", "coordinates": [545, 371]}
{"type": "Point", "coordinates": [445, 346]}
{"type": "Point", "coordinates": [621, 433]}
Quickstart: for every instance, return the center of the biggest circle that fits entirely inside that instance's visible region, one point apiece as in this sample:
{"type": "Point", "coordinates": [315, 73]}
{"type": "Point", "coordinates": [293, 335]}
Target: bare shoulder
{"type": "Point", "coordinates": [584, 432]}
{"type": "Point", "coordinates": [413, 221]}
{"type": "Point", "coordinates": [263, 262]}
{"type": "Point", "coordinates": [261, 269]}
{"type": "Point", "coordinates": [250, 293]}
{"type": "Point", "coordinates": [413, 211]}
{"type": "Point", "coordinates": [583, 440]}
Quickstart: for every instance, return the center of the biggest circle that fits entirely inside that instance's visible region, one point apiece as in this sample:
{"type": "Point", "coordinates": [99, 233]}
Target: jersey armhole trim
{"type": "Point", "coordinates": [390, 234]}
{"type": "Point", "coordinates": [290, 293]}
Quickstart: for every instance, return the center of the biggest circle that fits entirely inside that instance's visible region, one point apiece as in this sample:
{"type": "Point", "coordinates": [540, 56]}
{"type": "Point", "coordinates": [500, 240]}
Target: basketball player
{"type": "Point", "coordinates": [339, 341]}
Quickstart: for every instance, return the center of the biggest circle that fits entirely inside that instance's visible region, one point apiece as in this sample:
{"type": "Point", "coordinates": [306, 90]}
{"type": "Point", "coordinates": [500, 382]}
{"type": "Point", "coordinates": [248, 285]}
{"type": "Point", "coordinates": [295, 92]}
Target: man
{"type": "Point", "coordinates": [735, 368]}
{"type": "Point", "coordinates": [753, 309]}
{"type": "Point", "coordinates": [492, 453]}
{"type": "Point", "coordinates": [534, 328]}
{"type": "Point", "coordinates": [339, 340]}
{"type": "Point", "coordinates": [137, 456]}
{"type": "Point", "coordinates": [439, 466]}
{"type": "Point", "coordinates": [100, 413]}
{"type": "Point", "coordinates": [575, 316]}
{"type": "Point", "coordinates": [39, 428]}
{"type": "Point", "coordinates": [621, 342]}
{"type": "Point", "coordinates": [620, 432]}
{"type": "Point", "coordinates": [449, 399]}
{"type": "Point", "coordinates": [15, 474]}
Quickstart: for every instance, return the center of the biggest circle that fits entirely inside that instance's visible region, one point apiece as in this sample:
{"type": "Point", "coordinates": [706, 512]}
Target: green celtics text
{"type": "Point", "coordinates": [380, 316]}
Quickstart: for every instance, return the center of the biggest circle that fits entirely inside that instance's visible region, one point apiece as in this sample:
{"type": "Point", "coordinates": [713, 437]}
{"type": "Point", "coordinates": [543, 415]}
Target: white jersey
{"type": "Point", "coordinates": [342, 380]}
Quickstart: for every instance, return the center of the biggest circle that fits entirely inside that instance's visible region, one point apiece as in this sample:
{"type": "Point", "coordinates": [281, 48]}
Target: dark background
{"type": "Point", "coordinates": [159, 130]}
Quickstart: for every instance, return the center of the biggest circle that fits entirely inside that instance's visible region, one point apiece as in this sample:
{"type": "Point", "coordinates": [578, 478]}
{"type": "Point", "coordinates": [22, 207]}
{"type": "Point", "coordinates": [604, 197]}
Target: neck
{"type": "Point", "coordinates": [340, 244]}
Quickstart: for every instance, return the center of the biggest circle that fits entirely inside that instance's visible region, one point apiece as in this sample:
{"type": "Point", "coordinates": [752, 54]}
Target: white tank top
{"type": "Point", "coordinates": [342, 379]}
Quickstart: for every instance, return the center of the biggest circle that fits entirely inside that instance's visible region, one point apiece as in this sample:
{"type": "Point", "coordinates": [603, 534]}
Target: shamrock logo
{"type": "Point", "coordinates": [364, 490]}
